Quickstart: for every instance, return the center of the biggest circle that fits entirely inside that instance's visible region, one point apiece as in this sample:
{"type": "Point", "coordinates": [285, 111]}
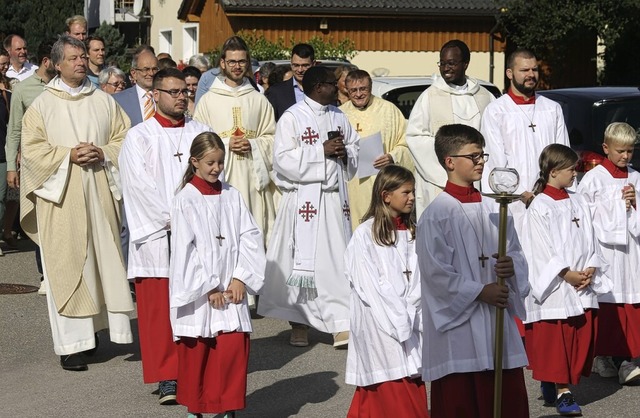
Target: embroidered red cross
{"type": "Point", "coordinates": [307, 211]}
{"type": "Point", "coordinates": [310, 137]}
{"type": "Point", "coordinates": [346, 211]}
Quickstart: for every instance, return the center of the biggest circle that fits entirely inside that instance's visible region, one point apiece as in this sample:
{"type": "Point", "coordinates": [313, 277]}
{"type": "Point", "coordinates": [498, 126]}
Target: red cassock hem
{"type": "Point", "coordinates": [464, 395]}
{"type": "Point", "coordinates": [561, 351]}
{"type": "Point", "coordinates": [213, 372]}
{"type": "Point", "coordinates": [618, 330]}
{"type": "Point", "coordinates": [158, 351]}
{"type": "Point", "coordinates": [402, 398]}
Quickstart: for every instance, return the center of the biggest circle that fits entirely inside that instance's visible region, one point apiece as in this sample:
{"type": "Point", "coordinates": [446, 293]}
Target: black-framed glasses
{"type": "Point", "coordinates": [147, 70]}
{"type": "Point", "coordinates": [448, 64]}
{"type": "Point", "coordinates": [476, 158]}
{"type": "Point", "coordinates": [236, 63]}
{"type": "Point", "coordinates": [175, 93]}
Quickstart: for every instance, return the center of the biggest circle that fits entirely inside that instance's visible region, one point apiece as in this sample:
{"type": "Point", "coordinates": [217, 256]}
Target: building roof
{"type": "Point", "coordinates": [366, 7]}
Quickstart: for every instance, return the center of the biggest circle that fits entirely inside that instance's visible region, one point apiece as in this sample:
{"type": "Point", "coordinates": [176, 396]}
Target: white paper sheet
{"type": "Point", "coordinates": [370, 149]}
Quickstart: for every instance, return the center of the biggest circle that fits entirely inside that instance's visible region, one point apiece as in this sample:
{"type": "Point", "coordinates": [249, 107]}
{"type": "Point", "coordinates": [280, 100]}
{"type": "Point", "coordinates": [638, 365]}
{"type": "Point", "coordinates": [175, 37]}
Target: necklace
{"type": "Point", "coordinates": [216, 219]}
{"type": "Point", "coordinates": [178, 153]}
{"type": "Point", "coordinates": [482, 257]}
{"type": "Point", "coordinates": [530, 119]}
{"type": "Point", "coordinates": [405, 261]}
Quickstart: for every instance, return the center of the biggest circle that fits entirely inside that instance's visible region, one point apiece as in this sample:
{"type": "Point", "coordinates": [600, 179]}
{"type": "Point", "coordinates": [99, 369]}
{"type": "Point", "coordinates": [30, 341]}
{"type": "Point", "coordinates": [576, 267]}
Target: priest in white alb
{"type": "Point", "coordinates": [244, 119]}
{"type": "Point", "coordinates": [370, 115]}
{"type": "Point", "coordinates": [518, 126]}
{"type": "Point", "coordinates": [315, 153]}
{"type": "Point", "coordinates": [70, 206]}
{"type": "Point", "coordinates": [153, 161]}
{"type": "Point", "coordinates": [452, 98]}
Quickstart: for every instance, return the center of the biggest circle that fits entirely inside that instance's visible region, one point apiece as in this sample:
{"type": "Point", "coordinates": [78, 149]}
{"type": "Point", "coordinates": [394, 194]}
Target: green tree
{"type": "Point", "coordinates": [552, 29]}
{"type": "Point", "coordinates": [37, 20]}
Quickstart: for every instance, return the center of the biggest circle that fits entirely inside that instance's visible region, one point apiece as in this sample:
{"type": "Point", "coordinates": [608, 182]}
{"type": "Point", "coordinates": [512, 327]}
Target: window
{"type": "Point", "coordinates": [166, 41]}
{"type": "Point", "coordinates": [190, 41]}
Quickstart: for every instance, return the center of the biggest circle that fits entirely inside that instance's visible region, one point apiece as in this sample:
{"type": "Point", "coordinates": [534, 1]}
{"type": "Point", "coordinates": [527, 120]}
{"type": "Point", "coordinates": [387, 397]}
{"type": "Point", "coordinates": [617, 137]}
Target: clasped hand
{"type": "Point", "coordinates": [233, 294]}
{"type": "Point", "coordinates": [334, 148]}
{"type": "Point", "coordinates": [85, 153]}
{"type": "Point", "coordinates": [239, 145]}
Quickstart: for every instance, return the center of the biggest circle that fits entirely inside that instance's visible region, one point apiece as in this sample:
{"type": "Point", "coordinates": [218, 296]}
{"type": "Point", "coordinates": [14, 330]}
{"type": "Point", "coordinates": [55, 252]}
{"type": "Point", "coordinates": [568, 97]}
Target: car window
{"type": "Point", "coordinates": [405, 97]}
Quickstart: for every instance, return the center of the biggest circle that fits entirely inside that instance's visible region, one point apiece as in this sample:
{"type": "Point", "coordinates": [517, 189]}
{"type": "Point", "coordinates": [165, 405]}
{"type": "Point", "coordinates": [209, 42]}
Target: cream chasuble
{"type": "Point", "coordinates": [440, 105]}
{"type": "Point", "coordinates": [384, 117]}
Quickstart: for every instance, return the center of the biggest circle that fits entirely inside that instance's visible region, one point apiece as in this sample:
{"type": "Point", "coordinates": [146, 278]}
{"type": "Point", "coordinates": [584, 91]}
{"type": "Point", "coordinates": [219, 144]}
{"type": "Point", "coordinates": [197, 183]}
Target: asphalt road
{"type": "Point", "coordinates": [284, 381]}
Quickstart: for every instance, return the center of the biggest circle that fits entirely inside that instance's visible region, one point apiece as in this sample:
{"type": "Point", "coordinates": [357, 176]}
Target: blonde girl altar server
{"type": "Point", "coordinates": [217, 255]}
{"type": "Point", "coordinates": [385, 352]}
{"type": "Point", "coordinates": [611, 190]}
{"type": "Point", "coordinates": [564, 274]}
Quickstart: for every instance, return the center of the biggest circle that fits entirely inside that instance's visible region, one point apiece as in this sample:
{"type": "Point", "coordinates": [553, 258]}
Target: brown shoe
{"type": "Point", "coordinates": [341, 339]}
{"type": "Point", "coordinates": [299, 337]}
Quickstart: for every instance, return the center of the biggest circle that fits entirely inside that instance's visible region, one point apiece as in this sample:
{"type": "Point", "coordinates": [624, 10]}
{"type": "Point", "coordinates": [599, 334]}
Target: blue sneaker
{"type": "Point", "coordinates": [567, 406]}
{"type": "Point", "coordinates": [548, 390]}
{"type": "Point", "coordinates": [167, 391]}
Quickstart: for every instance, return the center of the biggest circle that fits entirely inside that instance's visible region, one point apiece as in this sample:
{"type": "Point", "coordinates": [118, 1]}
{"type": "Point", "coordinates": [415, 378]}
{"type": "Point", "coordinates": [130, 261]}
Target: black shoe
{"type": "Point", "coordinates": [92, 351]}
{"type": "Point", "coordinates": [167, 392]}
{"type": "Point", "coordinates": [74, 362]}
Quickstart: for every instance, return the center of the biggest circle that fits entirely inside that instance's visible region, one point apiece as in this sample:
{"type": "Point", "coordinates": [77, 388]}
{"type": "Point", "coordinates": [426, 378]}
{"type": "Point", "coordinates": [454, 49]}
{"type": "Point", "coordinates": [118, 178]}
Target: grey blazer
{"type": "Point", "coordinates": [129, 101]}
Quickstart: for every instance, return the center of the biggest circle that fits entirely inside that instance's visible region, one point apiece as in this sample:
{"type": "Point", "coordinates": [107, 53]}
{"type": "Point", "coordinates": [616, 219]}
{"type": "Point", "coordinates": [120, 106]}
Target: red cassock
{"type": "Point", "coordinates": [402, 398]}
{"type": "Point", "coordinates": [618, 330]}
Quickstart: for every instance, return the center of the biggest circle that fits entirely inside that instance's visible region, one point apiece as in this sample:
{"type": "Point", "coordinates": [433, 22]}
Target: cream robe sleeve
{"type": "Point", "coordinates": [393, 315]}
{"type": "Point", "coordinates": [421, 143]}
{"type": "Point", "coordinates": [262, 145]}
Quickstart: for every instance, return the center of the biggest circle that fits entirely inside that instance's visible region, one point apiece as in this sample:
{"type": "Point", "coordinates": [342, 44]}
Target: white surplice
{"type": "Point", "coordinates": [297, 163]}
{"type": "Point", "coordinates": [385, 335]}
{"type": "Point", "coordinates": [552, 242]}
{"type": "Point", "coordinates": [510, 142]}
{"type": "Point", "coordinates": [151, 175]}
{"type": "Point", "coordinates": [439, 105]}
{"type": "Point", "coordinates": [201, 263]}
{"type": "Point", "coordinates": [617, 231]}
{"type": "Point", "coordinates": [459, 330]}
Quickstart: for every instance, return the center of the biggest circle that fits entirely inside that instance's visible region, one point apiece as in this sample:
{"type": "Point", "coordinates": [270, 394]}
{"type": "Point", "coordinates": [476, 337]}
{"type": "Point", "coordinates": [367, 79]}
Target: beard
{"type": "Point", "coordinates": [522, 88]}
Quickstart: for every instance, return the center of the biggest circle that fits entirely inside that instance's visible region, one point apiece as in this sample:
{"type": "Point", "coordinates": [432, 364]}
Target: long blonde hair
{"type": "Point", "coordinates": [390, 178]}
{"type": "Point", "coordinates": [202, 144]}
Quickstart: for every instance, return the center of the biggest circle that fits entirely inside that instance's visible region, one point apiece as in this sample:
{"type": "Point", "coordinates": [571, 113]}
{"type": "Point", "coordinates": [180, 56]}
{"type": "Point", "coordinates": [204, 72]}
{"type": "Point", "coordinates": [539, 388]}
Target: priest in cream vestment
{"type": "Point", "coordinates": [370, 115]}
{"type": "Point", "coordinates": [70, 205]}
{"type": "Point", "coordinates": [244, 119]}
{"type": "Point", "coordinates": [452, 98]}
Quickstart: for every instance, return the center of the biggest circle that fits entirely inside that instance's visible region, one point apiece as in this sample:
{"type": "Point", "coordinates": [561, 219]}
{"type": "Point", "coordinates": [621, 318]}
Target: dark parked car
{"type": "Point", "coordinates": [587, 113]}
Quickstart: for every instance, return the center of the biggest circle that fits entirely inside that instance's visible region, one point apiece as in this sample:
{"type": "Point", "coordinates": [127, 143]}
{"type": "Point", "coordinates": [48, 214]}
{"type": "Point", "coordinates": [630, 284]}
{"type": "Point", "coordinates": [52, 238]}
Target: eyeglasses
{"type": "Point", "coordinates": [147, 70]}
{"type": "Point", "coordinates": [355, 90]}
{"type": "Point", "coordinates": [302, 66]}
{"type": "Point", "coordinates": [175, 93]}
{"type": "Point", "coordinates": [238, 63]}
{"type": "Point", "coordinates": [448, 64]}
{"type": "Point", "coordinates": [474, 157]}
{"type": "Point", "coordinates": [121, 85]}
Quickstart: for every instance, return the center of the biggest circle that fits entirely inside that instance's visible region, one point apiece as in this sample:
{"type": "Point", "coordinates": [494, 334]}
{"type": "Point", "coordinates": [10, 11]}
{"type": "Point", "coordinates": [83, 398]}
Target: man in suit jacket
{"type": "Point", "coordinates": [284, 95]}
{"type": "Point", "coordinates": [143, 67]}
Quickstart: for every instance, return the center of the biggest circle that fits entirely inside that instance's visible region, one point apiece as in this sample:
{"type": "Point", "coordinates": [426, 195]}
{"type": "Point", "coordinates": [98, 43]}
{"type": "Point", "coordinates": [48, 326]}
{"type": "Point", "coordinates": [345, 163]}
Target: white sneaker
{"type": "Point", "coordinates": [603, 365]}
{"type": "Point", "coordinates": [628, 373]}
{"type": "Point", "coordinates": [43, 288]}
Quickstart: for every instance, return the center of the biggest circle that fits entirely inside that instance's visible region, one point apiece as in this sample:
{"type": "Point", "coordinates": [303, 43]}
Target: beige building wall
{"type": "Point", "coordinates": [170, 35]}
{"type": "Point", "coordinates": [377, 63]}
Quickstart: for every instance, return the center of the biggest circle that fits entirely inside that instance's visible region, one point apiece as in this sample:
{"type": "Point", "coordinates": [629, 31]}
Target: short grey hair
{"type": "Point", "coordinates": [57, 51]}
{"type": "Point", "coordinates": [199, 61]}
{"type": "Point", "coordinates": [106, 73]}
